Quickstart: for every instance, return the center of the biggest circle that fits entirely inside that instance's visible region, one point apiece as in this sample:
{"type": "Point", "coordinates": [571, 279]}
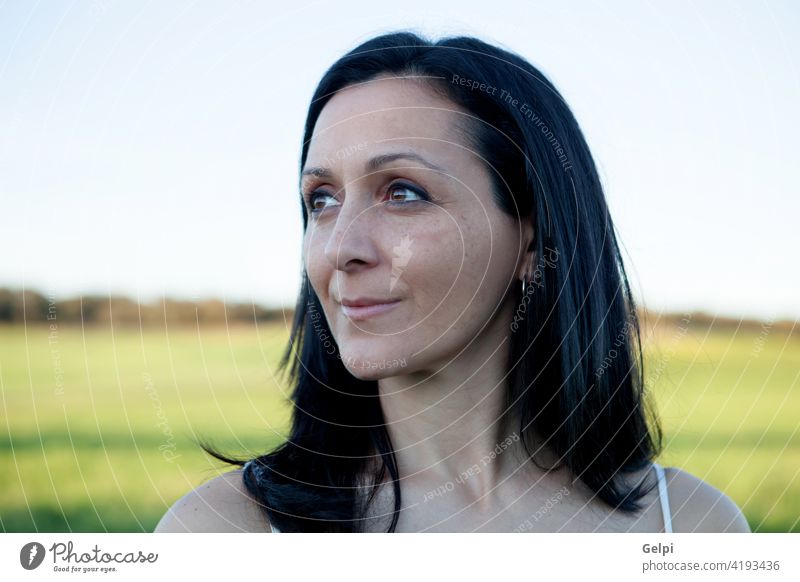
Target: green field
{"type": "Point", "coordinates": [98, 426]}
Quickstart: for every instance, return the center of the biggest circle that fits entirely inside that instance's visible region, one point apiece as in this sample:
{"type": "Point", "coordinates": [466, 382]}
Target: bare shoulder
{"type": "Point", "coordinates": [698, 506]}
{"type": "Point", "coordinates": [220, 505]}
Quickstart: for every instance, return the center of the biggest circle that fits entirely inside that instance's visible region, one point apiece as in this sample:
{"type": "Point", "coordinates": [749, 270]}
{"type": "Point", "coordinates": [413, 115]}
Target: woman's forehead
{"type": "Point", "coordinates": [384, 109]}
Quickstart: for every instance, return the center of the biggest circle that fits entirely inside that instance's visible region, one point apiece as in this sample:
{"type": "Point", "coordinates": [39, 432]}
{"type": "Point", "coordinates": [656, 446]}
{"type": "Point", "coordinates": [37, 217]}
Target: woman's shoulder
{"type": "Point", "coordinates": [222, 504]}
{"type": "Point", "coordinates": [697, 506]}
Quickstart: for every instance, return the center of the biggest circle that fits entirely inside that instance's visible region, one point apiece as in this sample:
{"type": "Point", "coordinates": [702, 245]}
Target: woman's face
{"type": "Point", "coordinates": [403, 213]}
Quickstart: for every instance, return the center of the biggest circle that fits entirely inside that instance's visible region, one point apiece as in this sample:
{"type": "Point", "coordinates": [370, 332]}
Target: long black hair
{"type": "Point", "coordinates": [576, 366]}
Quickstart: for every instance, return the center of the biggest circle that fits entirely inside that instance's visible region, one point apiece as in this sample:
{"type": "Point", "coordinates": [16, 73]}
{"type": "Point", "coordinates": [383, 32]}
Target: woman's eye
{"type": "Point", "coordinates": [404, 190]}
{"type": "Point", "coordinates": [314, 197]}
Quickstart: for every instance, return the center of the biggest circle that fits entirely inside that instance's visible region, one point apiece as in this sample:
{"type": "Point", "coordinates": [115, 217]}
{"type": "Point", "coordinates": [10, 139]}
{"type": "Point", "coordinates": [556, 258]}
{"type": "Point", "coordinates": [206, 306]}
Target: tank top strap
{"type": "Point", "coordinates": [664, 497]}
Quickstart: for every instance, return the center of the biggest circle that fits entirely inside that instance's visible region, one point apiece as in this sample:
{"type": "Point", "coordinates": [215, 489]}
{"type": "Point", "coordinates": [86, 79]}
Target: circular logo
{"type": "Point", "coordinates": [31, 555]}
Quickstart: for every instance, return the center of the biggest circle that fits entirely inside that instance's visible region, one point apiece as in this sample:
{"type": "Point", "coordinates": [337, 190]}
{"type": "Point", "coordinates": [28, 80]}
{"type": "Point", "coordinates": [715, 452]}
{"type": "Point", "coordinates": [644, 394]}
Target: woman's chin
{"type": "Point", "coordinates": [374, 367]}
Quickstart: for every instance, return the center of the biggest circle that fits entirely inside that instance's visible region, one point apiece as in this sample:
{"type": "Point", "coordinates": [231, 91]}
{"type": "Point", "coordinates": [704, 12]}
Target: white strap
{"type": "Point", "coordinates": [662, 494]}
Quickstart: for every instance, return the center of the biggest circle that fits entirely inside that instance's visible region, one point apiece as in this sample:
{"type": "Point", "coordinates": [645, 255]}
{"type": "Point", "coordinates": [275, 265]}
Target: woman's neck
{"type": "Point", "coordinates": [448, 424]}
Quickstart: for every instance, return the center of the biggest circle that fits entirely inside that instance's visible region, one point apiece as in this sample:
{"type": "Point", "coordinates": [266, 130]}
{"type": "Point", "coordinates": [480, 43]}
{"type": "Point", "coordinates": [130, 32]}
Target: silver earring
{"type": "Point", "coordinates": [524, 285]}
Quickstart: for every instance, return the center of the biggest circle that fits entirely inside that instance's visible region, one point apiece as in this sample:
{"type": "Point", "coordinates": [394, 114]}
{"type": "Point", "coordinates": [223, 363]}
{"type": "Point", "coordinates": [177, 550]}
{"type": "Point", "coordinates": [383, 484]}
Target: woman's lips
{"type": "Point", "coordinates": [365, 311]}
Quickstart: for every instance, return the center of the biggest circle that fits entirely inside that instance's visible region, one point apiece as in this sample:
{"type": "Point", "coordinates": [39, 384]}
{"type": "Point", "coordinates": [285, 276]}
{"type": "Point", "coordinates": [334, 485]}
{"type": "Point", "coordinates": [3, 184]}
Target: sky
{"type": "Point", "coordinates": [152, 148]}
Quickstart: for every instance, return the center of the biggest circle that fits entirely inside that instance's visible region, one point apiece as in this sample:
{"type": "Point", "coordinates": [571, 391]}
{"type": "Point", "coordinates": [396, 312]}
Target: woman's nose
{"type": "Point", "coordinates": [352, 240]}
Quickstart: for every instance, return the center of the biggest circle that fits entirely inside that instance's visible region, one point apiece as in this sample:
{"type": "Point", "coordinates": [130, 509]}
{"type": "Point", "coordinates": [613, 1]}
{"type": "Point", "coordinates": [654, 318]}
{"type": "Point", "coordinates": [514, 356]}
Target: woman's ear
{"type": "Point", "coordinates": [528, 258]}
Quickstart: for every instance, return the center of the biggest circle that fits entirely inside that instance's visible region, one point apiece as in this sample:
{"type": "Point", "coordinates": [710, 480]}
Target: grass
{"type": "Point", "coordinates": [99, 425]}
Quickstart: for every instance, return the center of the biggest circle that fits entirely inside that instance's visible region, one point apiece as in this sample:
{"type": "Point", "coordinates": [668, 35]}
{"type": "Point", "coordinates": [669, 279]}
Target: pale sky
{"type": "Point", "coordinates": [152, 149]}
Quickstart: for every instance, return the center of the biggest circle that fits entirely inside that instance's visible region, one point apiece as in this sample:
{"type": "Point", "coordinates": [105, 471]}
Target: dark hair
{"type": "Point", "coordinates": [576, 367]}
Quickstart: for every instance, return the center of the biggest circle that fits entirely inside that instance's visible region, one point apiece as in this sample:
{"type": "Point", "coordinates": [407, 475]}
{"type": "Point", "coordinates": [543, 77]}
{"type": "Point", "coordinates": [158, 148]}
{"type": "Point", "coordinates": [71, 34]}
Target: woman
{"type": "Point", "coordinates": [465, 352]}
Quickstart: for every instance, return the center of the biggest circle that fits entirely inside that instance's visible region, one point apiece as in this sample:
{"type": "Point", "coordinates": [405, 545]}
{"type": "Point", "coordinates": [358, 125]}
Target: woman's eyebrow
{"type": "Point", "coordinates": [382, 159]}
{"type": "Point", "coordinates": [376, 162]}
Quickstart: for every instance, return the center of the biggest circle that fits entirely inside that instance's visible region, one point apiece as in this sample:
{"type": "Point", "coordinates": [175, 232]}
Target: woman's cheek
{"type": "Point", "coordinates": [315, 271]}
{"type": "Point", "coordinates": [436, 256]}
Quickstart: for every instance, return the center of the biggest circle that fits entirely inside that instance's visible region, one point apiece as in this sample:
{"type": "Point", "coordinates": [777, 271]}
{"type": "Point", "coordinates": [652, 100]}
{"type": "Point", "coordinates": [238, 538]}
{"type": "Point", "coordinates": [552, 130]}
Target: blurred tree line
{"type": "Point", "coordinates": [17, 306]}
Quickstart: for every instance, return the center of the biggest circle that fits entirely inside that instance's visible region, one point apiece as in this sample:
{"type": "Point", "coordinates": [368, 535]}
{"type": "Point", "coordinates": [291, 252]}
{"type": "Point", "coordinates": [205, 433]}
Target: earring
{"type": "Point", "coordinates": [524, 284]}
